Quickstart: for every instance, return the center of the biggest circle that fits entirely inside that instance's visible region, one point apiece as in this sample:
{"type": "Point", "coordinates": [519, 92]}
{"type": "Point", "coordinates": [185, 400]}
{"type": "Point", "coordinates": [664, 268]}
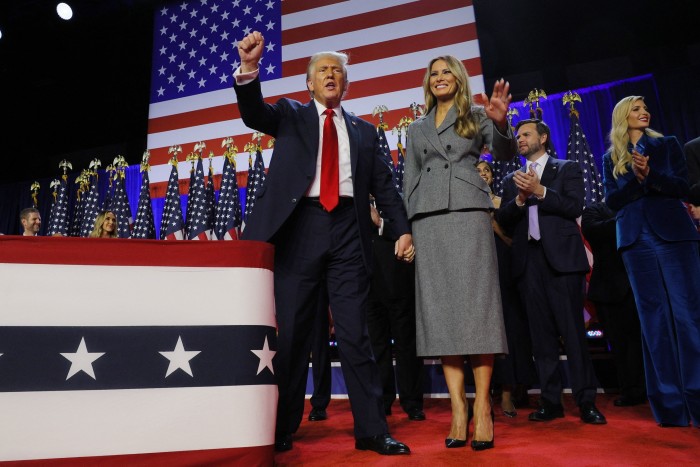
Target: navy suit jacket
{"type": "Point", "coordinates": [295, 127]}
{"type": "Point", "coordinates": [657, 200]}
{"type": "Point", "coordinates": [557, 212]}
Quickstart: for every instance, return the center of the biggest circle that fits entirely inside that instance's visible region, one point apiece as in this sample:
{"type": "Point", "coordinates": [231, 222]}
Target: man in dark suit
{"type": "Point", "coordinates": [609, 289]}
{"type": "Point", "coordinates": [324, 159]}
{"type": "Point", "coordinates": [392, 316]}
{"type": "Point", "coordinates": [539, 209]}
{"type": "Point", "coordinates": [692, 158]}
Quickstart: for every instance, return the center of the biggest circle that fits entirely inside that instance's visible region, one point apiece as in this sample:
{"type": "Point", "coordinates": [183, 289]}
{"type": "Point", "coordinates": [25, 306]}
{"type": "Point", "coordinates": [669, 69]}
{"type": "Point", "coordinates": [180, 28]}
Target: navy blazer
{"type": "Point", "coordinates": [657, 200]}
{"type": "Point", "coordinates": [557, 212]}
{"type": "Point", "coordinates": [295, 127]}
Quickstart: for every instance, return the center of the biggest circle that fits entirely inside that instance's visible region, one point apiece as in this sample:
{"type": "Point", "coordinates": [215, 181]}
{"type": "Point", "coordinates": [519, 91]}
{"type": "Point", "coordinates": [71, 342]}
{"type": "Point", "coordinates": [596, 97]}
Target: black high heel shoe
{"type": "Point", "coordinates": [460, 443]}
{"type": "Point", "coordinates": [483, 445]}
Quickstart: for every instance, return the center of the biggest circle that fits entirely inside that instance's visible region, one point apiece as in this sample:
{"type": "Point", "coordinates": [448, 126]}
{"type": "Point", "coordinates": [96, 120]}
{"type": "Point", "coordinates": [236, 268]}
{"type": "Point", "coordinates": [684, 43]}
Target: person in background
{"type": "Point", "coordinates": [515, 371]}
{"type": "Point", "coordinates": [313, 208]}
{"type": "Point", "coordinates": [692, 158]}
{"type": "Point", "coordinates": [646, 180]}
{"type": "Point", "coordinates": [105, 225]}
{"type": "Point", "coordinates": [458, 301]}
{"type": "Point", "coordinates": [609, 289]}
{"type": "Point", "coordinates": [30, 218]}
{"type": "Point", "coordinates": [540, 205]}
{"type": "Point", "coordinates": [392, 317]}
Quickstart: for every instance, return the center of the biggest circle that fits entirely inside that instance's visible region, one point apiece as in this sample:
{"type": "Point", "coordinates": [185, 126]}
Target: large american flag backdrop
{"type": "Point", "coordinates": [194, 55]}
{"type": "Point", "coordinates": [112, 352]}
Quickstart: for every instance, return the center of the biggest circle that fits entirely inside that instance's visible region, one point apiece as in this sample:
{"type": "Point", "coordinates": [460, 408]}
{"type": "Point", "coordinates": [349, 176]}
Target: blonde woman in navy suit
{"type": "Point", "coordinates": [458, 302]}
{"type": "Point", "coordinates": [646, 179]}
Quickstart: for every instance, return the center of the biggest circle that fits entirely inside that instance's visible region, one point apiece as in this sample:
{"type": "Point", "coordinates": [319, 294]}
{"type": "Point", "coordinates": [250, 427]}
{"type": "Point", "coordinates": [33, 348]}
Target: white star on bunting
{"type": "Point", "coordinates": [180, 358]}
{"type": "Point", "coordinates": [82, 360]}
{"type": "Point", "coordinates": [265, 355]}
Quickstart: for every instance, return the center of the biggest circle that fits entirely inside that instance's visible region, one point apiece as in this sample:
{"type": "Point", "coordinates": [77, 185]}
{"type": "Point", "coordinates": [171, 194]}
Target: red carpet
{"type": "Point", "coordinates": [631, 437]}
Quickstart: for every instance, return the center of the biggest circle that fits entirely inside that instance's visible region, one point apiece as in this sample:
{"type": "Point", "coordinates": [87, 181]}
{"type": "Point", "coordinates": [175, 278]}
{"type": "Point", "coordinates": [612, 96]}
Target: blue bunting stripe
{"type": "Point", "coordinates": [41, 358]}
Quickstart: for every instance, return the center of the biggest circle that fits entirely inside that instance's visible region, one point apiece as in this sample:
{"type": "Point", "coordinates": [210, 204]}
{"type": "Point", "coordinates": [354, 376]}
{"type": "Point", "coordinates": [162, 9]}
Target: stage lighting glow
{"type": "Point", "coordinates": [64, 11]}
{"type": "Point", "coordinates": [0, 33]}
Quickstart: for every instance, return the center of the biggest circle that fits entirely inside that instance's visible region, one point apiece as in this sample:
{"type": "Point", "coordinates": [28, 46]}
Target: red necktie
{"type": "Point", "coordinates": [329, 163]}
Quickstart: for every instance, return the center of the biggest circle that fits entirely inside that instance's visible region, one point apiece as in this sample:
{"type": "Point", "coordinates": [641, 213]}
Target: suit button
{"type": "Point", "coordinates": [449, 147]}
{"type": "Point", "coordinates": [447, 166]}
{"type": "Point", "coordinates": [294, 200]}
{"type": "Point", "coordinates": [428, 169]}
{"type": "Point", "coordinates": [425, 151]}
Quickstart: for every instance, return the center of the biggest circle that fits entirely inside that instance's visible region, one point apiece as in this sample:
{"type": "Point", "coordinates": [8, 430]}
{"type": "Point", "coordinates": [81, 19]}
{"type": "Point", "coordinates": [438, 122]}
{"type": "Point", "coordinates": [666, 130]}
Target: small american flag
{"type": "Point", "coordinates": [384, 144]}
{"type": "Point", "coordinates": [91, 208]}
{"type": "Point", "coordinates": [579, 151]}
{"type": "Point", "coordinates": [121, 208]}
{"type": "Point", "coordinates": [58, 222]}
{"type": "Point", "coordinates": [228, 211]}
{"type": "Point", "coordinates": [78, 212]}
{"type": "Point", "coordinates": [144, 227]}
{"type": "Point", "coordinates": [171, 224]}
{"type": "Point", "coordinates": [256, 179]}
{"type": "Point", "coordinates": [211, 200]}
{"type": "Point", "coordinates": [399, 169]}
{"type": "Point", "coordinates": [197, 214]}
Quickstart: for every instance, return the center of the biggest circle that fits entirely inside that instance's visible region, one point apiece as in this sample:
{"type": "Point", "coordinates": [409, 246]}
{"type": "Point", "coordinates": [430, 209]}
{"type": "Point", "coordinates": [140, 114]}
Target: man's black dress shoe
{"type": "Point", "coordinates": [382, 444]}
{"type": "Point", "coordinates": [283, 443]}
{"type": "Point", "coordinates": [316, 415]}
{"type": "Point", "coordinates": [415, 414]}
{"type": "Point", "coordinates": [627, 401]}
{"type": "Point", "coordinates": [590, 414]}
{"type": "Point", "coordinates": [547, 412]}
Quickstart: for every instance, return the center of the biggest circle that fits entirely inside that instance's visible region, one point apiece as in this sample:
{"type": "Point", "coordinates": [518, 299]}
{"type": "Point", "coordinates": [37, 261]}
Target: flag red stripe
{"type": "Point", "coordinates": [428, 40]}
{"type": "Point", "coordinates": [358, 89]}
{"type": "Point", "coordinates": [296, 6]}
{"type": "Point", "coordinates": [369, 19]}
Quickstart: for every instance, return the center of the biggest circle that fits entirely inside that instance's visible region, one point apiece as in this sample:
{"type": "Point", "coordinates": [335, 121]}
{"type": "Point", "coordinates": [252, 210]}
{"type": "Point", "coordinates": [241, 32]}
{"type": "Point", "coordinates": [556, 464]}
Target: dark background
{"type": "Point", "coordinates": [79, 89]}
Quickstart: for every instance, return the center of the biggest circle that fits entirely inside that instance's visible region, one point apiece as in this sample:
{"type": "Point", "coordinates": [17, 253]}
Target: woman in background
{"type": "Point", "coordinates": [646, 179]}
{"type": "Point", "coordinates": [458, 302]}
{"type": "Point", "coordinates": [105, 225]}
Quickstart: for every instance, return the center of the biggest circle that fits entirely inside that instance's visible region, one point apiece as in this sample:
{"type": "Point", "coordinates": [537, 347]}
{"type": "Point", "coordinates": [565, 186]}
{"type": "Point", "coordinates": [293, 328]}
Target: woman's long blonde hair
{"type": "Point", "coordinates": [465, 126]}
{"type": "Point", "coordinates": [619, 137]}
{"type": "Point", "coordinates": [99, 222]}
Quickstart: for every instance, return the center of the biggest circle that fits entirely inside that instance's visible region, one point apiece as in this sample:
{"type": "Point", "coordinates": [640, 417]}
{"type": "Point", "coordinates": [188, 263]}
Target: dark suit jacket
{"type": "Point", "coordinates": [692, 157]}
{"type": "Point", "coordinates": [657, 200]}
{"type": "Point", "coordinates": [609, 282]}
{"type": "Point", "coordinates": [295, 127]}
{"type": "Point", "coordinates": [557, 212]}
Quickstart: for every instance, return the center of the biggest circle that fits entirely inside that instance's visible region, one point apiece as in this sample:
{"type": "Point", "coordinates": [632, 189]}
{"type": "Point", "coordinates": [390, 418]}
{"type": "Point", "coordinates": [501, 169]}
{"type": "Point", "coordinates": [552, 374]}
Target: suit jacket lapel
{"type": "Point", "coordinates": [311, 125]}
{"type": "Point", "coordinates": [431, 133]}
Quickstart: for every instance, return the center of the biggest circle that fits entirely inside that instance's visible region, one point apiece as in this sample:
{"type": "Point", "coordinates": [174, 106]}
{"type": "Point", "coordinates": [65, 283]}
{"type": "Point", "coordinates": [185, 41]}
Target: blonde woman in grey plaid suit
{"type": "Point", "coordinates": [458, 303]}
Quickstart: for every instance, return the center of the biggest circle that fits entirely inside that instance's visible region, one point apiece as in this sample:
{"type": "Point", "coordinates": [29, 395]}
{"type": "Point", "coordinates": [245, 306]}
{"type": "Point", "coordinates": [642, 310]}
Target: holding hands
{"type": "Point", "coordinates": [404, 248]}
{"type": "Point", "coordinates": [250, 49]}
